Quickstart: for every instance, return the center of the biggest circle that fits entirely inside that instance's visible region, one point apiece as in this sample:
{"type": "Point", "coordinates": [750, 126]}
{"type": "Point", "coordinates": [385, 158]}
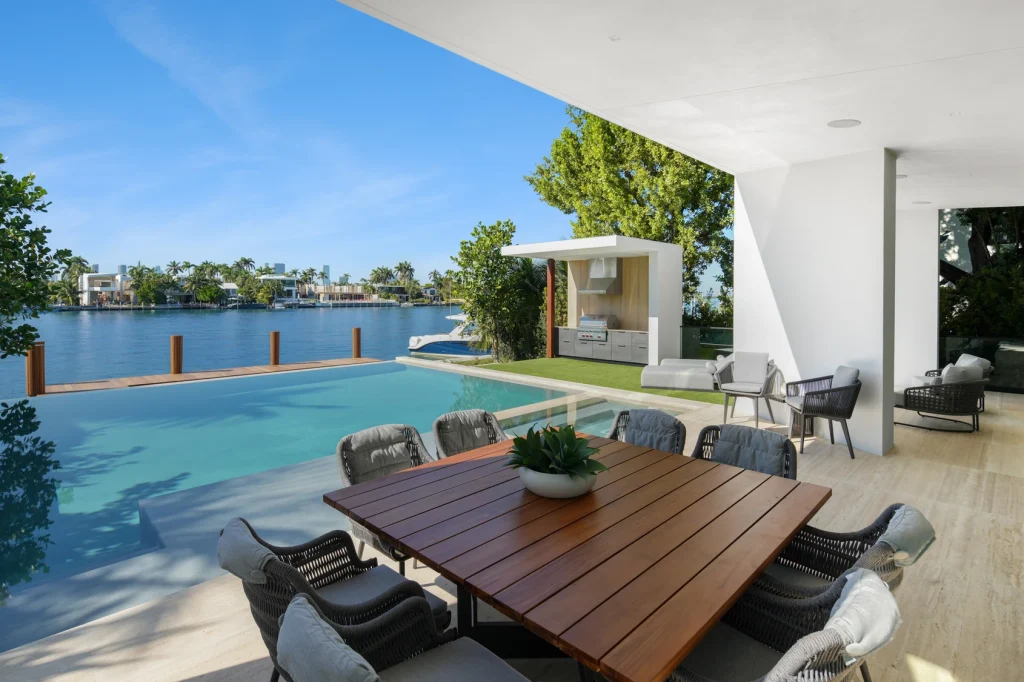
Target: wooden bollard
{"type": "Point", "coordinates": [357, 342]}
{"type": "Point", "coordinates": [40, 367]}
{"type": "Point", "coordinates": [177, 349]}
{"type": "Point", "coordinates": [30, 372]}
{"type": "Point", "coordinates": [275, 348]}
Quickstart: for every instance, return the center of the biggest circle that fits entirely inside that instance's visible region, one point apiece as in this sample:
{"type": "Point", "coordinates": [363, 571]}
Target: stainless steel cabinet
{"type": "Point", "coordinates": [584, 348]}
{"type": "Point", "coordinates": [638, 350]}
{"type": "Point", "coordinates": [602, 350]}
{"type": "Point", "coordinates": [566, 342]}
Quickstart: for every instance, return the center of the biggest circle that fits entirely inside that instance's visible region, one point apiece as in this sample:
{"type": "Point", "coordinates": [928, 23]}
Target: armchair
{"type": "Point", "coordinates": [831, 397]}
{"type": "Point", "coordinates": [953, 400]}
{"type": "Point", "coordinates": [748, 375]}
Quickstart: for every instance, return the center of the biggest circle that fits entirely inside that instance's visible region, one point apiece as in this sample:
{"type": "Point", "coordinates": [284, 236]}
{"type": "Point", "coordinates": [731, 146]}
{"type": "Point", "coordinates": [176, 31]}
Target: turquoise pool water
{"type": "Point", "coordinates": [117, 447]}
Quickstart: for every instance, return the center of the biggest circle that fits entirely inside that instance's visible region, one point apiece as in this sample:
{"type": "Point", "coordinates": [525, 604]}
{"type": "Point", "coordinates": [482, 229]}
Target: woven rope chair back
{"type": "Point", "coordinates": [457, 432]}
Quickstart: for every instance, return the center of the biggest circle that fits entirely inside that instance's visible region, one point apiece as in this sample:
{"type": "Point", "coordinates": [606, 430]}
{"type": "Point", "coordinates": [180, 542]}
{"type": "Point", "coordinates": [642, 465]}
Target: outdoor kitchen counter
{"type": "Point", "coordinates": [622, 345]}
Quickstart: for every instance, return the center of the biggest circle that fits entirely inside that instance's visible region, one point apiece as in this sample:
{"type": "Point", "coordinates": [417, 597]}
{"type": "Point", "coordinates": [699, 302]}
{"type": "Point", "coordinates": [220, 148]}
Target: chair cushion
{"type": "Point", "coordinates": [371, 584]}
{"type": "Point", "coordinates": [743, 386]}
{"type": "Point", "coordinates": [928, 381]}
{"type": "Point", "coordinates": [968, 360]}
{"type": "Point", "coordinates": [655, 429]}
{"type": "Point", "coordinates": [310, 650]}
{"type": "Point", "coordinates": [460, 661]}
{"type": "Point", "coordinates": [750, 448]}
{"type": "Point", "coordinates": [376, 452]}
{"type": "Point", "coordinates": [795, 401]}
{"type": "Point", "coordinates": [677, 378]}
{"type": "Point", "coordinates": [865, 615]}
{"type": "Point", "coordinates": [240, 554]}
{"type": "Point", "coordinates": [845, 376]}
{"type": "Point", "coordinates": [909, 534]}
{"type": "Point", "coordinates": [691, 363]}
{"type": "Point", "coordinates": [463, 430]}
{"type": "Point", "coordinates": [727, 654]}
{"type": "Point", "coordinates": [750, 368]}
{"type": "Point", "coordinates": [951, 374]}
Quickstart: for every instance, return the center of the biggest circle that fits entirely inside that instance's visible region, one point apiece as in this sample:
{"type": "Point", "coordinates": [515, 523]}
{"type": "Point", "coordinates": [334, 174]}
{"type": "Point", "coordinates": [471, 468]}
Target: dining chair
{"type": "Point", "coordinates": [457, 432]}
{"type": "Point", "coordinates": [373, 453]}
{"type": "Point", "coordinates": [748, 375]}
{"type": "Point", "coordinates": [327, 569]}
{"type": "Point", "coordinates": [747, 447]}
{"type": "Point", "coordinates": [649, 428]}
{"type": "Point", "coordinates": [862, 618]}
{"type": "Point", "coordinates": [401, 645]}
{"type": "Point", "coordinates": [831, 397]}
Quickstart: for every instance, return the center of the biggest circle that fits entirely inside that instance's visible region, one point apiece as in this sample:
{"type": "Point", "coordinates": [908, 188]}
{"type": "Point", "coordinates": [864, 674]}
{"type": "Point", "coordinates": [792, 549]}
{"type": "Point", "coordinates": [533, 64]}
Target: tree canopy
{"type": "Point", "coordinates": [614, 181]}
{"type": "Point", "coordinates": [27, 264]}
{"type": "Point", "coordinates": [502, 296]}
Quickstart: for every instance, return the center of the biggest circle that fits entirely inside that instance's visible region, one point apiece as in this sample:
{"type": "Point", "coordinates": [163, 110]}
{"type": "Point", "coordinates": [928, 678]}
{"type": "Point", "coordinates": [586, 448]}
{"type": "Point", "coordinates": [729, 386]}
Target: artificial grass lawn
{"type": "Point", "coordinates": [611, 375]}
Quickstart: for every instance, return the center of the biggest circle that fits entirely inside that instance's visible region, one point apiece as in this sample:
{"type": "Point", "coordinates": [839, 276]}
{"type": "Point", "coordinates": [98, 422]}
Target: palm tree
{"type": "Point", "coordinates": [435, 278]}
{"type": "Point", "coordinates": [74, 267]}
{"type": "Point", "coordinates": [264, 270]}
{"type": "Point", "coordinates": [65, 291]}
{"type": "Point", "coordinates": [195, 282]}
{"type": "Point", "coordinates": [382, 275]}
{"type": "Point", "coordinates": [405, 271]}
{"type": "Point", "coordinates": [208, 267]}
{"type": "Point", "coordinates": [173, 268]}
{"type": "Point", "coordinates": [186, 267]}
{"type": "Point", "coordinates": [244, 263]}
{"type": "Point", "coordinates": [345, 278]}
{"type": "Point", "coordinates": [321, 276]}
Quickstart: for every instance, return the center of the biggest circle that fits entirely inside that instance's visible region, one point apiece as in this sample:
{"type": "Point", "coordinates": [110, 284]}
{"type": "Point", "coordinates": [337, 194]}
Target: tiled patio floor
{"type": "Point", "coordinates": [961, 604]}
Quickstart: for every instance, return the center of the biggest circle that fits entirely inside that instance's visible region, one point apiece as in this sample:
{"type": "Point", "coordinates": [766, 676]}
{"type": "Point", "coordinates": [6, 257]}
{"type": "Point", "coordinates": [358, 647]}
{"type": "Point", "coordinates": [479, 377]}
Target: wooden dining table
{"type": "Point", "coordinates": [626, 579]}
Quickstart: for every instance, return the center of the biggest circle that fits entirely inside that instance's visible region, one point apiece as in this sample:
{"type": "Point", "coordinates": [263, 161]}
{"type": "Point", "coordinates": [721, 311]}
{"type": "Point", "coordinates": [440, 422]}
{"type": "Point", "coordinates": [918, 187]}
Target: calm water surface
{"type": "Point", "coordinates": [83, 346]}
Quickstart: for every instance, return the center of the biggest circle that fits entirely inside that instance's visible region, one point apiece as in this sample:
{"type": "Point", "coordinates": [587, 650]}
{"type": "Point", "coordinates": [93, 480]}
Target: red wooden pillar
{"type": "Point", "coordinates": [275, 348]}
{"type": "Point", "coordinates": [551, 307]}
{"type": "Point", "coordinates": [357, 342]}
{"type": "Point", "coordinates": [177, 351]}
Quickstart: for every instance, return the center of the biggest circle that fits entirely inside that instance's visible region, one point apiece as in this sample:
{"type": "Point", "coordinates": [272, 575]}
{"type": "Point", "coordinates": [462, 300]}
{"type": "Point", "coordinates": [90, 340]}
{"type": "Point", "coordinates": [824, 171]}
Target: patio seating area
{"type": "Point", "coordinates": [959, 603]}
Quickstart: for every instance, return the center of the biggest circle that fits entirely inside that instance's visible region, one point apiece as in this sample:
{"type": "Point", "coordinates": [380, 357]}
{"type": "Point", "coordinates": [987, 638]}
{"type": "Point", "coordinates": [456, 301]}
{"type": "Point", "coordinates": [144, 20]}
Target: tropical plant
{"type": "Point", "coordinates": [186, 267]}
{"type": "Point", "coordinates": [75, 267]}
{"type": "Point", "coordinates": [614, 181]}
{"type": "Point", "coordinates": [345, 278]}
{"type": "Point", "coordinates": [405, 271]}
{"type": "Point", "coordinates": [27, 495]}
{"type": "Point", "coordinates": [27, 264]}
{"type": "Point", "coordinates": [435, 277]}
{"type": "Point", "coordinates": [173, 268]}
{"type": "Point", "coordinates": [382, 275]}
{"type": "Point", "coordinates": [245, 264]}
{"type": "Point", "coordinates": [554, 450]}
{"type": "Point", "coordinates": [65, 291]}
{"type": "Point", "coordinates": [501, 295]}
{"type": "Point", "coordinates": [264, 270]}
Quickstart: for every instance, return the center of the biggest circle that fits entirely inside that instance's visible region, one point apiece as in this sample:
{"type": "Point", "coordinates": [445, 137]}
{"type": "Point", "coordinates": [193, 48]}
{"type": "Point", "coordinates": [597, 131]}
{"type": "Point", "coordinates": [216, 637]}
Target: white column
{"type": "Point", "coordinates": [814, 277]}
{"type": "Point", "coordinates": [917, 295]}
{"type": "Point", "coordinates": [665, 304]}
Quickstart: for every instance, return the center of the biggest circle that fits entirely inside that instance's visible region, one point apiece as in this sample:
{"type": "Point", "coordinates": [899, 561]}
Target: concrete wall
{"type": "Point", "coordinates": [814, 276]}
{"type": "Point", "coordinates": [917, 295]}
{"type": "Point", "coordinates": [665, 304]}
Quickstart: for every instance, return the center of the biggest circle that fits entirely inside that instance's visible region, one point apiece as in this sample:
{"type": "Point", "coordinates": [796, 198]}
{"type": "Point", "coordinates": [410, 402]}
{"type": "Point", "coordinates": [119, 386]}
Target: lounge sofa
{"type": "Point", "coordinates": [681, 374]}
{"type": "Point", "coordinates": [954, 391]}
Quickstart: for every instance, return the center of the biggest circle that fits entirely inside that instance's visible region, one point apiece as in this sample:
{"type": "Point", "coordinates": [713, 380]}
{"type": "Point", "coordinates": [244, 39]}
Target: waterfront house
{"type": "Point", "coordinates": [340, 292]}
{"type": "Point", "coordinates": [290, 285]}
{"type": "Point", "coordinates": [101, 288]}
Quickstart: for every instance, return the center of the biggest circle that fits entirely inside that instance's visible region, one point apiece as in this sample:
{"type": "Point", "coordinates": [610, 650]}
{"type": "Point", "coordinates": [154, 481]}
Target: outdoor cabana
{"type": "Point", "coordinates": [635, 285]}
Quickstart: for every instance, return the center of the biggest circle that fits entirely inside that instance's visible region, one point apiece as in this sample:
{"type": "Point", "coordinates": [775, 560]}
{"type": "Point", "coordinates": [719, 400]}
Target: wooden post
{"type": "Point", "coordinates": [275, 348]}
{"type": "Point", "coordinates": [551, 307]}
{"type": "Point", "coordinates": [177, 350]}
{"type": "Point", "coordinates": [357, 342]}
{"type": "Point", "coordinates": [30, 372]}
{"type": "Point", "coordinates": [40, 368]}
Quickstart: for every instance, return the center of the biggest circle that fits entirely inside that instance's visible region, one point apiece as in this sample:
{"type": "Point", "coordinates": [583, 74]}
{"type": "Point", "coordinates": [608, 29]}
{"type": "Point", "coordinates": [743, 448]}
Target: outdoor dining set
{"type": "Point", "coordinates": [686, 568]}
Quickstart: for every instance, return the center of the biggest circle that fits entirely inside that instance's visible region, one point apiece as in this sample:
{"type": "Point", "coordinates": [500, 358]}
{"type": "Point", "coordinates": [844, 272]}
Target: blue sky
{"type": "Point", "coordinates": [299, 131]}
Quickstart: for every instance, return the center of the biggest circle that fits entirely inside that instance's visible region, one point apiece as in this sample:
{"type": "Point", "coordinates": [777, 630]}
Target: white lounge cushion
{"type": "Point", "coordinates": [310, 650]}
{"type": "Point", "coordinates": [365, 586]}
{"type": "Point", "coordinates": [909, 534]}
{"type": "Point", "coordinates": [750, 368]}
{"type": "Point", "coordinates": [845, 376]}
{"type": "Point", "coordinates": [743, 386]}
{"type": "Point", "coordinates": [689, 363]}
{"type": "Point", "coordinates": [460, 661]}
{"type": "Point", "coordinates": [866, 615]}
{"type": "Point", "coordinates": [724, 360]}
{"type": "Point", "coordinates": [677, 378]}
{"type": "Point", "coordinates": [968, 360]}
{"type": "Point", "coordinates": [928, 381]}
{"type": "Point", "coordinates": [240, 554]}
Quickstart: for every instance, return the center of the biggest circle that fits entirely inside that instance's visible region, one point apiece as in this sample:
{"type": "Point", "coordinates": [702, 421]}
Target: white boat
{"type": "Point", "coordinates": [460, 341]}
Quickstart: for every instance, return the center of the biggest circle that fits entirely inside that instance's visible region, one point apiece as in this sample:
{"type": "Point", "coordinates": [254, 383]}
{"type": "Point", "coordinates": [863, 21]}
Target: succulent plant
{"type": "Point", "coordinates": [554, 450]}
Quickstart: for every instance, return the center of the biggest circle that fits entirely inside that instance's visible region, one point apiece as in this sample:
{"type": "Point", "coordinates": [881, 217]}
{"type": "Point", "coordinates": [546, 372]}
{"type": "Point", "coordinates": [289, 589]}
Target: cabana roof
{"type": "Point", "coordinates": [609, 246]}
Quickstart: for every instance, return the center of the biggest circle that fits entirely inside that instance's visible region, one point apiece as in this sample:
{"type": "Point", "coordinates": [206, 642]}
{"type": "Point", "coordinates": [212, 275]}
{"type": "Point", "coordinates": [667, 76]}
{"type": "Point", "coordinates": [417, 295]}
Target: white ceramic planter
{"type": "Point", "coordinates": [556, 485]}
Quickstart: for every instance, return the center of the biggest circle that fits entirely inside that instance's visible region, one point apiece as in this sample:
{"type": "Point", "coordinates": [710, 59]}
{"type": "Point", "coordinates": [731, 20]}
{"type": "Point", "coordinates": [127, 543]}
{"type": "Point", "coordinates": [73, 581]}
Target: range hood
{"type": "Point", "coordinates": [604, 276]}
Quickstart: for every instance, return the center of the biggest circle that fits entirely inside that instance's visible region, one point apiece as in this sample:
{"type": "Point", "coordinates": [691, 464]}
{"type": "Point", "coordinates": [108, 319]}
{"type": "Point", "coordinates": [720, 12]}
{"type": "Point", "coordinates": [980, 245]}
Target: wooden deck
{"type": "Point", "coordinates": [155, 379]}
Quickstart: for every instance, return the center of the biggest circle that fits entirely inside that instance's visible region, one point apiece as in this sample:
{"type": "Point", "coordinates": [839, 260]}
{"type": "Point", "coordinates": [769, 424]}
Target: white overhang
{"type": "Point", "coordinates": [749, 85]}
{"type": "Point", "coordinates": [611, 246]}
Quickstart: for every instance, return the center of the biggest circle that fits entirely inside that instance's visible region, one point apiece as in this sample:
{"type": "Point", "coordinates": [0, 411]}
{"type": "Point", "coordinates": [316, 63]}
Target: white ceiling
{"type": "Point", "coordinates": [750, 84]}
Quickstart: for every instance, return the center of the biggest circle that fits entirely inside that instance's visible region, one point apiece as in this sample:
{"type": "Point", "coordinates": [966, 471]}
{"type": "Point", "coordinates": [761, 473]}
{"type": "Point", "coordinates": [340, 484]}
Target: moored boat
{"type": "Point", "coordinates": [461, 341]}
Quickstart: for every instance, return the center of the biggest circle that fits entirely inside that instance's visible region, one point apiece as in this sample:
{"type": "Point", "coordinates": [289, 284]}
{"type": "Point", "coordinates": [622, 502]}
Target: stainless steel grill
{"type": "Point", "coordinates": [595, 327]}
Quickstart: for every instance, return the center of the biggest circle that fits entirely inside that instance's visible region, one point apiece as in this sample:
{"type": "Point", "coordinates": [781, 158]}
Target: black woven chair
{"type": "Point", "coordinates": [818, 398]}
{"type": "Point", "coordinates": [708, 437]}
{"type": "Point", "coordinates": [949, 400]}
{"type": "Point", "coordinates": [665, 422]}
{"type": "Point", "coordinates": [311, 568]}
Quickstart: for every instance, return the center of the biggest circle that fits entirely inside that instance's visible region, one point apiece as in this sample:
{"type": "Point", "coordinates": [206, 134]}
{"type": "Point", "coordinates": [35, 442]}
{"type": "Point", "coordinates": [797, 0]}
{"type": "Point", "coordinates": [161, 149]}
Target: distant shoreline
{"type": "Point", "coordinates": [208, 307]}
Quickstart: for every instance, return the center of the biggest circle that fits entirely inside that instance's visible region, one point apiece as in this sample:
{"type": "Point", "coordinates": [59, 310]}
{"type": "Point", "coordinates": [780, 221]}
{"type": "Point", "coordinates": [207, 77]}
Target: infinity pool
{"type": "Point", "coordinates": [120, 446]}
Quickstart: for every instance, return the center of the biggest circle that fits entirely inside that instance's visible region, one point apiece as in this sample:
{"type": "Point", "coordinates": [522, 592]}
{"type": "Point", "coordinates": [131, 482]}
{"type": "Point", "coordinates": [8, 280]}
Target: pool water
{"type": "Point", "coordinates": [117, 447]}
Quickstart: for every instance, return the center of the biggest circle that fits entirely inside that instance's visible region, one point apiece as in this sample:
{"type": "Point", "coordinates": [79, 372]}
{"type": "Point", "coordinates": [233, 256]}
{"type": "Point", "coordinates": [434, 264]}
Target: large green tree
{"type": "Point", "coordinates": [614, 181]}
{"type": "Point", "coordinates": [27, 264]}
{"type": "Point", "coordinates": [502, 296]}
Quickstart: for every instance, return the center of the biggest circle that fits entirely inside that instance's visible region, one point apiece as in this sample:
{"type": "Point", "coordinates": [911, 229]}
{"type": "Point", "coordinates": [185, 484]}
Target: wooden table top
{"type": "Point", "coordinates": [626, 579]}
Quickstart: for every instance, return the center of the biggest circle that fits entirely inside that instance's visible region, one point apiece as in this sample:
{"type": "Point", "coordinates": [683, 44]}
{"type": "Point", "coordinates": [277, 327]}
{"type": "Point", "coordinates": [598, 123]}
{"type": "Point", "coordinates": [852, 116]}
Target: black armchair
{"type": "Point", "coordinates": [824, 397]}
{"type": "Point", "coordinates": [953, 400]}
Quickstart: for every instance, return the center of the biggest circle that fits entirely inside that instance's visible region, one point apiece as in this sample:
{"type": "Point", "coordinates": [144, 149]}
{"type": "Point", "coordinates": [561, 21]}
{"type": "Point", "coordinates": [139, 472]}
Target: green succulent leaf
{"type": "Point", "coordinates": [554, 450]}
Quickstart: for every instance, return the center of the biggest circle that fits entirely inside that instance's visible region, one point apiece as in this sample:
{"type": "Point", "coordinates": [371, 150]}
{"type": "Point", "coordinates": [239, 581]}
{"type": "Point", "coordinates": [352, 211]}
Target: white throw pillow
{"type": "Point", "coordinates": [928, 381]}
{"type": "Point", "coordinates": [724, 360]}
{"type": "Point", "coordinates": [866, 615]}
{"type": "Point", "coordinates": [968, 360]}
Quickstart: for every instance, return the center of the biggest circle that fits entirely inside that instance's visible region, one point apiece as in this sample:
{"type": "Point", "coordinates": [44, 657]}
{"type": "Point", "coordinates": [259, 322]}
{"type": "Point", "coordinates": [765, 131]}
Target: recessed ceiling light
{"type": "Point", "coordinates": [843, 123]}
{"type": "Point", "coordinates": [954, 113]}
{"type": "Point", "coordinates": [922, 203]}
{"type": "Point", "coordinates": [614, 38]}
{"type": "Point", "coordinates": [900, 177]}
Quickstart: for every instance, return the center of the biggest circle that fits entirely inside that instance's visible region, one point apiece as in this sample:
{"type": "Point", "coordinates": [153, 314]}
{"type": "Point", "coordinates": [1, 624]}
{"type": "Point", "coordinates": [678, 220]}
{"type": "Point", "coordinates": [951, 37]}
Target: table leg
{"type": "Point", "coordinates": [502, 638]}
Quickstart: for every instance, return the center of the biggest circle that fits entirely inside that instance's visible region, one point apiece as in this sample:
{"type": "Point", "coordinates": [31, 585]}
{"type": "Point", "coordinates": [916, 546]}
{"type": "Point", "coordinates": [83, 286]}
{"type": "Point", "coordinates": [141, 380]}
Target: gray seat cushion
{"type": "Point", "coordinates": [677, 378]}
{"type": "Point", "coordinates": [795, 577]}
{"type": "Point", "coordinates": [366, 586]}
{"type": "Point", "coordinates": [310, 650]}
{"type": "Point", "coordinates": [750, 368]}
{"type": "Point", "coordinates": [460, 661]}
{"type": "Point", "coordinates": [655, 429]}
{"type": "Point", "coordinates": [750, 448]}
{"type": "Point", "coordinates": [796, 402]}
{"type": "Point", "coordinates": [845, 376]}
{"type": "Point", "coordinates": [742, 387]}
{"type": "Point", "coordinates": [727, 654]}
